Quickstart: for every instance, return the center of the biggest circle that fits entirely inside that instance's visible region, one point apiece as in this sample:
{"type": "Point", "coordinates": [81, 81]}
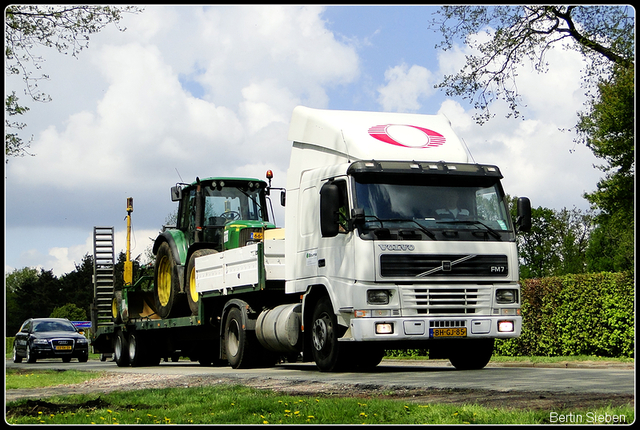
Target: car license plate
{"type": "Point", "coordinates": [448, 332]}
{"type": "Point", "coordinates": [256, 236]}
{"type": "Point", "coordinates": [63, 348]}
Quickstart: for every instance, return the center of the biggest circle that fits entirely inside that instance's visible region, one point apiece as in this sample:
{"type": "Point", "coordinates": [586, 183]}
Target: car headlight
{"type": "Point", "coordinates": [82, 341]}
{"type": "Point", "coordinates": [506, 296]}
{"type": "Point", "coordinates": [40, 342]}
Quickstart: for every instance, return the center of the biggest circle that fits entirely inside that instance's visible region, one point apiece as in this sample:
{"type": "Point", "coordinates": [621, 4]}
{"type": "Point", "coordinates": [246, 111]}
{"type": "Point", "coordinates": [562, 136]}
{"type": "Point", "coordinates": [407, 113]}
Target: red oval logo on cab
{"type": "Point", "coordinates": [407, 136]}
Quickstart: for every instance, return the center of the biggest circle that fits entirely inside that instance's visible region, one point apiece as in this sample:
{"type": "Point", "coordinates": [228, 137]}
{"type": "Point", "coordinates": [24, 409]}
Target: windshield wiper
{"type": "Point", "coordinates": [420, 226]}
{"type": "Point", "coordinates": [491, 231]}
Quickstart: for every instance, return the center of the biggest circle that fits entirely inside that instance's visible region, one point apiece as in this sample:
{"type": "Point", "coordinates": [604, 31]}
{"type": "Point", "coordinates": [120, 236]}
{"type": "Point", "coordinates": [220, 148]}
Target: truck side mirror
{"type": "Point", "coordinates": [176, 194]}
{"type": "Point", "coordinates": [283, 198]}
{"type": "Point", "coordinates": [329, 206]}
{"type": "Point", "coordinates": [523, 221]}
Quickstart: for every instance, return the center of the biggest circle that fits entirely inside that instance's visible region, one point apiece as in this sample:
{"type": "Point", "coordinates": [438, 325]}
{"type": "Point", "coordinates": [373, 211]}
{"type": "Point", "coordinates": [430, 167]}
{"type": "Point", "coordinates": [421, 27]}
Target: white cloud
{"type": "Point", "coordinates": [124, 123]}
{"type": "Point", "coordinates": [405, 87]}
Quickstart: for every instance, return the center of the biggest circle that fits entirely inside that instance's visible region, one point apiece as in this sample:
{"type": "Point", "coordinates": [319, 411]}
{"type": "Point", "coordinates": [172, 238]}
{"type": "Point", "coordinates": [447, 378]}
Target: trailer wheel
{"type": "Point", "coordinates": [471, 354]}
{"type": "Point", "coordinates": [325, 331]}
{"type": "Point", "coordinates": [166, 282]}
{"type": "Point", "coordinates": [235, 340]}
{"type": "Point", "coordinates": [192, 294]}
{"type": "Point", "coordinates": [141, 351]}
{"type": "Point", "coordinates": [121, 350]}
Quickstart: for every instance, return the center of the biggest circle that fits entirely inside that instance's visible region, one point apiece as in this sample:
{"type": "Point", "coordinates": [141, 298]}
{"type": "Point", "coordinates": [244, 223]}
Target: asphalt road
{"type": "Point", "coordinates": [583, 378]}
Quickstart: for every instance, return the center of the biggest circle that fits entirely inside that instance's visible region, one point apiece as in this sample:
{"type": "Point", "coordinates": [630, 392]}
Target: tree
{"type": "Point", "coordinates": [515, 34]}
{"type": "Point", "coordinates": [557, 242]}
{"type": "Point", "coordinates": [608, 129]}
{"type": "Point", "coordinates": [35, 298]}
{"type": "Point", "coordinates": [64, 28]}
{"type": "Point", "coordinates": [77, 287]}
{"type": "Point", "coordinates": [13, 283]}
{"type": "Point", "coordinates": [69, 311]}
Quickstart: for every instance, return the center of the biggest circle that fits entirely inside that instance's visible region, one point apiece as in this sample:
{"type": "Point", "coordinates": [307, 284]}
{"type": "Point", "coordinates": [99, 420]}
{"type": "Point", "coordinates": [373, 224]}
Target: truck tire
{"type": "Point", "coordinates": [121, 350]}
{"type": "Point", "coordinates": [166, 283]}
{"type": "Point", "coordinates": [325, 332]}
{"type": "Point", "coordinates": [192, 294]}
{"type": "Point", "coordinates": [236, 342]}
{"type": "Point", "coordinates": [471, 354]}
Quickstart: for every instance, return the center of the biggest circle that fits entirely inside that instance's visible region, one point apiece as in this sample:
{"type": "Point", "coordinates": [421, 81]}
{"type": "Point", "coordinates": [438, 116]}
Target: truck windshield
{"type": "Point", "coordinates": [460, 211]}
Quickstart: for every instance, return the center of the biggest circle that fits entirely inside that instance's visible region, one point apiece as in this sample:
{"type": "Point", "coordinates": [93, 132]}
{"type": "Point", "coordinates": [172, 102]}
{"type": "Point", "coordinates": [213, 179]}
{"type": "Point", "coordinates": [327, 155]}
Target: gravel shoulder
{"type": "Point", "coordinates": [503, 399]}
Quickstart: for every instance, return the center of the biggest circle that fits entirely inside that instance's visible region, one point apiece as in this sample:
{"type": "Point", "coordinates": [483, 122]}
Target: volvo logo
{"type": "Point", "coordinates": [397, 247]}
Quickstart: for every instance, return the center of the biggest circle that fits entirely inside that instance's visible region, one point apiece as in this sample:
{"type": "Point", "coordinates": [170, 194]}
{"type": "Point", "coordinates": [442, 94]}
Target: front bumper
{"type": "Point", "coordinates": [429, 328]}
{"type": "Point", "coordinates": [78, 350]}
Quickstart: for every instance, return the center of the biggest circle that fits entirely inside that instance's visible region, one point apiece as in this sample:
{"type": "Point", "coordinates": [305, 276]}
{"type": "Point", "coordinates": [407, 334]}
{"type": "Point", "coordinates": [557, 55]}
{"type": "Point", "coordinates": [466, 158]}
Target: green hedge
{"type": "Point", "coordinates": [590, 314]}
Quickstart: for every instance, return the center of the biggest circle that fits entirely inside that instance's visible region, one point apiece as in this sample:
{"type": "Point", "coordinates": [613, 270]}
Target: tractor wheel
{"type": "Point", "coordinates": [166, 284]}
{"type": "Point", "coordinates": [192, 294]}
{"type": "Point", "coordinates": [116, 304]}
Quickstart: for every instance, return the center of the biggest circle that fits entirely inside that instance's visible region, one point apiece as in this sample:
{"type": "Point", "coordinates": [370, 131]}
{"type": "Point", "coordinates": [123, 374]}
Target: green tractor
{"type": "Point", "coordinates": [214, 215]}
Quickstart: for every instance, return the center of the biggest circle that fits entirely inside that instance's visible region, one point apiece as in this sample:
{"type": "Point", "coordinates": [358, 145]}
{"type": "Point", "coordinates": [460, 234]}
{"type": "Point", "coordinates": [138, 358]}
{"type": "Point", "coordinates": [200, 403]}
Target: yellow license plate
{"type": "Point", "coordinates": [256, 236]}
{"type": "Point", "coordinates": [448, 332]}
{"type": "Point", "coordinates": [63, 348]}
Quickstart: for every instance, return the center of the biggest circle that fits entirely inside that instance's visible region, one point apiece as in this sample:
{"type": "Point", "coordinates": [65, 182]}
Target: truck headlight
{"type": "Point", "coordinates": [506, 296]}
{"type": "Point", "coordinates": [378, 297]}
{"type": "Point", "coordinates": [506, 326]}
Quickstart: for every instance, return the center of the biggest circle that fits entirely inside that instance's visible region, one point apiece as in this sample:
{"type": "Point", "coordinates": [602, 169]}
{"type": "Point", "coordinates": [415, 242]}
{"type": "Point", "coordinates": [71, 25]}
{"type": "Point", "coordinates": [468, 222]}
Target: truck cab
{"type": "Point", "coordinates": [397, 239]}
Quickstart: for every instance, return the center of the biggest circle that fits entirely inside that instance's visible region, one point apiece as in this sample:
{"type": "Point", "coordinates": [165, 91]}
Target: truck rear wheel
{"type": "Point", "coordinates": [192, 294]}
{"type": "Point", "coordinates": [325, 332]}
{"type": "Point", "coordinates": [166, 283]}
{"type": "Point", "coordinates": [121, 350]}
{"type": "Point", "coordinates": [235, 340]}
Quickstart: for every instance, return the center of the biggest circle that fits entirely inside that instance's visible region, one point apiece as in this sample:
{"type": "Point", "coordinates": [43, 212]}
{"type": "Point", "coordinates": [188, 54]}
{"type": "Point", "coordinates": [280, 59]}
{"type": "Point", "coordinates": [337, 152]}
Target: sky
{"type": "Point", "coordinates": [192, 91]}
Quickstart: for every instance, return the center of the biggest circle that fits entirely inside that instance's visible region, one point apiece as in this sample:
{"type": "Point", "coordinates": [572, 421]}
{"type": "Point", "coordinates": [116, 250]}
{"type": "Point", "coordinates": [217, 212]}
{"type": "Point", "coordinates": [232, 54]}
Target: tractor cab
{"type": "Point", "coordinates": [222, 213]}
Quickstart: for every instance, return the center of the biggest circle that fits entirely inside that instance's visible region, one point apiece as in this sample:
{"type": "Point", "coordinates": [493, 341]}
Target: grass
{"type": "Point", "coordinates": [29, 378]}
{"type": "Point", "coordinates": [243, 405]}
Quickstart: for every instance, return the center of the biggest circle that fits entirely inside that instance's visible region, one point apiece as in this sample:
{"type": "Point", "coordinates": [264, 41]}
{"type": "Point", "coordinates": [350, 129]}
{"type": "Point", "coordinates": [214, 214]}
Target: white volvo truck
{"type": "Point", "coordinates": [393, 239]}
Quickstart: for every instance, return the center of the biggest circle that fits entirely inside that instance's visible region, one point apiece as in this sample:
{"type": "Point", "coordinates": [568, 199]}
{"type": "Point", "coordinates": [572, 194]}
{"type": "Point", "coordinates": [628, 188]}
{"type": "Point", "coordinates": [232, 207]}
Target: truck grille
{"type": "Point", "coordinates": [424, 266]}
{"type": "Point", "coordinates": [441, 299]}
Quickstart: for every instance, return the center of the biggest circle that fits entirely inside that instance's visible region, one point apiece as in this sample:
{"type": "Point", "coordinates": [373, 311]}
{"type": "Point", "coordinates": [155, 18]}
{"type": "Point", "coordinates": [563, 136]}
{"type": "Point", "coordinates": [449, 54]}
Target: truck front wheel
{"type": "Point", "coordinates": [325, 332]}
{"type": "Point", "coordinates": [471, 354]}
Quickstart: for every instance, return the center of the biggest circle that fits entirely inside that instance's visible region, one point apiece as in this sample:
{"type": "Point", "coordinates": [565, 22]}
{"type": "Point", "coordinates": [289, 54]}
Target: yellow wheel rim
{"type": "Point", "coordinates": [114, 308]}
{"type": "Point", "coordinates": [164, 281]}
{"type": "Point", "coordinates": [192, 286]}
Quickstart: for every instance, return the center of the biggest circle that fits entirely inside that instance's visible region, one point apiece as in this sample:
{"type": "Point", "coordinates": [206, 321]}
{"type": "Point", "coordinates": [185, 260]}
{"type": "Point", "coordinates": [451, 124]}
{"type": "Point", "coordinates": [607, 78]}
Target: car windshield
{"type": "Point", "coordinates": [44, 326]}
{"type": "Point", "coordinates": [434, 208]}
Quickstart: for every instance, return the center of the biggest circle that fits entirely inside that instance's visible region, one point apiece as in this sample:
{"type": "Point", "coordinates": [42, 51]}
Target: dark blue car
{"type": "Point", "coordinates": [49, 338]}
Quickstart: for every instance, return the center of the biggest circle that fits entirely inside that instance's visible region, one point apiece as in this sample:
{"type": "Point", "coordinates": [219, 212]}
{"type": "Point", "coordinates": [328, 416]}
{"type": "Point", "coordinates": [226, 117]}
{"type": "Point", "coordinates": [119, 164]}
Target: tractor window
{"type": "Point", "coordinates": [231, 203]}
